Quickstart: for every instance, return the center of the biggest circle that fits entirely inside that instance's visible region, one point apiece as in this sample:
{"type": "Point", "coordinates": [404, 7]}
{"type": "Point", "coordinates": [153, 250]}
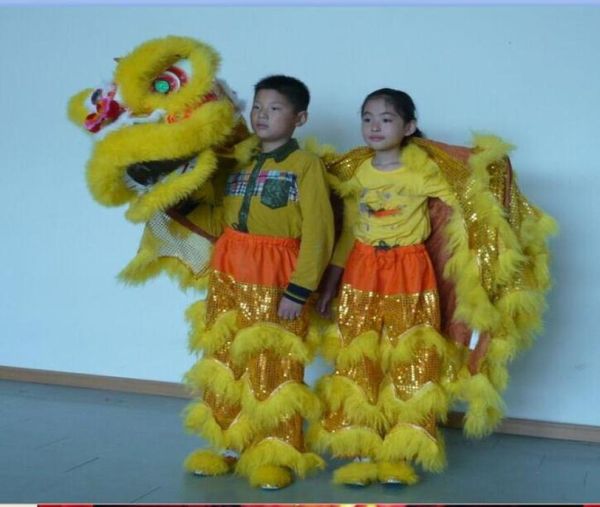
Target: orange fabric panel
{"type": "Point", "coordinates": [398, 270]}
{"type": "Point", "coordinates": [251, 258]}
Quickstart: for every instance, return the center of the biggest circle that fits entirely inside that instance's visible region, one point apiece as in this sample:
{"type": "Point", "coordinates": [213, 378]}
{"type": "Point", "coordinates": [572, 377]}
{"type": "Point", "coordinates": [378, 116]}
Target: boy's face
{"type": "Point", "coordinates": [273, 118]}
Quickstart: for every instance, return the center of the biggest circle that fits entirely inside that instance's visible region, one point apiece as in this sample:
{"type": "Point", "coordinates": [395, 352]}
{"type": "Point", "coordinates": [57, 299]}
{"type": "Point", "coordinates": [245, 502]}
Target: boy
{"type": "Point", "coordinates": [254, 328]}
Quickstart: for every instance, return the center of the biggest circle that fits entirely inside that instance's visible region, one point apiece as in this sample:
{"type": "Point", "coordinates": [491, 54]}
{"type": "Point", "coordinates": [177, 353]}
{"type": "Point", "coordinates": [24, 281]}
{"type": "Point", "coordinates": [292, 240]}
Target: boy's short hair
{"type": "Point", "coordinates": [290, 87]}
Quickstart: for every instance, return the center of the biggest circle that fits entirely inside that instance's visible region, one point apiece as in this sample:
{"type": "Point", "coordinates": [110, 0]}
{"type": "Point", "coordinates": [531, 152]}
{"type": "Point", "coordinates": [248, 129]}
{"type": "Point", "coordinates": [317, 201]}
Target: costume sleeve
{"type": "Point", "coordinates": [346, 239]}
{"type": "Point", "coordinates": [436, 185]}
{"type": "Point", "coordinates": [317, 232]}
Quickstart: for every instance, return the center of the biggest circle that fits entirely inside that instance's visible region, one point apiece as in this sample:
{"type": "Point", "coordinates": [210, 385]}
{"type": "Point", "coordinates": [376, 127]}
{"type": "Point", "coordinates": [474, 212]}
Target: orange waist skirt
{"type": "Point", "coordinates": [395, 270]}
{"type": "Point", "coordinates": [252, 258]}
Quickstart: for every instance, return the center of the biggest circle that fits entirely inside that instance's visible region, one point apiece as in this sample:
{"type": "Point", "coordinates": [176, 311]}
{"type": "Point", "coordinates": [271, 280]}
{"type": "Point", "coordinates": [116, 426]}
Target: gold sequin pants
{"type": "Point", "coordinates": [384, 394]}
{"type": "Point", "coordinates": [251, 372]}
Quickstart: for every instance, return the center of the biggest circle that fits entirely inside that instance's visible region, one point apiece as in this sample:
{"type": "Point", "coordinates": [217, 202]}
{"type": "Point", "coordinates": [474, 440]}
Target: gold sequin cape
{"type": "Point", "coordinates": [491, 259]}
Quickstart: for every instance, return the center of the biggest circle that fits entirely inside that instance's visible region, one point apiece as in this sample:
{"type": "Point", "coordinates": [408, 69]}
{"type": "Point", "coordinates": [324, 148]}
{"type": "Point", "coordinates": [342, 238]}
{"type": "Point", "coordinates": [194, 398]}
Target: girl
{"type": "Point", "coordinates": [384, 397]}
{"type": "Point", "coordinates": [445, 269]}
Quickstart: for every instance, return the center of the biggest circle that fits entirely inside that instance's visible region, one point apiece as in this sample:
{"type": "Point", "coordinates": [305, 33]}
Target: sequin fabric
{"type": "Point", "coordinates": [426, 425]}
{"type": "Point", "coordinates": [411, 376]}
{"type": "Point", "coordinates": [268, 371]}
{"type": "Point", "coordinates": [391, 317]}
{"type": "Point", "coordinates": [336, 420]}
{"type": "Point", "coordinates": [362, 311]}
{"type": "Point", "coordinates": [367, 374]}
{"type": "Point", "coordinates": [254, 304]}
{"type": "Point", "coordinates": [223, 411]}
{"type": "Point", "coordinates": [483, 238]}
{"type": "Point", "coordinates": [289, 431]}
{"type": "Point", "coordinates": [265, 371]}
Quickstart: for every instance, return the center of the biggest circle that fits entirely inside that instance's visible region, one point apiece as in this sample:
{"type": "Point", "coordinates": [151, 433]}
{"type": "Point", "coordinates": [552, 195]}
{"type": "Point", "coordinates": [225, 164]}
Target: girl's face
{"type": "Point", "coordinates": [382, 127]}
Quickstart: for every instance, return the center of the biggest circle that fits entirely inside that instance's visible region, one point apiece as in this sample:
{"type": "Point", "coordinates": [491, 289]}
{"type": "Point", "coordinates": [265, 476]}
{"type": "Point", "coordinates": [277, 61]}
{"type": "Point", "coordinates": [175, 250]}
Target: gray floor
{"type": "Point", "coordinates": [81, 445]}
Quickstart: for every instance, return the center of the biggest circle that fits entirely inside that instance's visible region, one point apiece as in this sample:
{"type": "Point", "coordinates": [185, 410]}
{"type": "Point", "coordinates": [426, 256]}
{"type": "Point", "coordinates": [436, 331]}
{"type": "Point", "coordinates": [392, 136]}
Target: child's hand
{"type": "Point", "coordinates": [323, 304]}
{"type": "Point", "coordinates": [328, 289]}
{"type": "Point", "coordinates": [288, 309]}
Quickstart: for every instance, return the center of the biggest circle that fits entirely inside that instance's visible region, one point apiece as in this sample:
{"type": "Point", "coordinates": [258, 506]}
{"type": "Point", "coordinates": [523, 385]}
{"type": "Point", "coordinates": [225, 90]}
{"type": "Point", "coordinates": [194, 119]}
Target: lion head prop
{"type": "Point", "coordinates": [161, 128]}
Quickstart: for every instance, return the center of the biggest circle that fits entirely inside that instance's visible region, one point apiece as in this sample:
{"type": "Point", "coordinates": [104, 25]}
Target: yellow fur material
{"type": "Point", "coordinates": [341, 393]}
{"type": "Point", "coordinates": [276, 452]}
{"type": "Point", "coordinates": [356, 474]}
{"type": "Point", "coordinates": [146, 265]}
{"type": "Point", "coordinates": [429, 399]}
{"type": "Point", "coordinates": [400, 472]}
{"type": "Point", "coordinates": [211, 374]}
{"type": "Point", "coordinates": [345, 443]}
{"type": "Point", "coordinates": [198, 419]}
{"type": "Point", "coordinates": [173, 189]}
{"type": "Point", "coordinates": [136, 72]}
{"type": "Point", "coordinates": [519, 311]}
{"type": "Point", "coordinates": [365, 345]}
{"type": "Point", "coordinates": [207, 462]}
{"type": "Point", "coordinates": [473, 305]}
{"type": "Point", "coordinates": [121, 148]}
{"type": "Point", "coordinates": [500, 352]}
{"type": "Point", "coordinates": [413, 443]}
{"type": "Point", "coordinates": [313, 145]}
{"type": "Point", "coordinates": [265, 335]}
{"type": "Point", "coordinates": [270, 477]}
{"type": "Point", "coordinates": [77, 109]}
{"type": "Point", "coordinates": [287, 400]}
{"type": "Point", "coordinates": [246, 149]}
{"type": "Point", "coordinates": [409, 343]}
{"type": "Point", "coordinates": [485, 406]}
{"type": "Point", "coordinates": [209, 340]}
{"type": "Point", "coordinates": [142, 130]}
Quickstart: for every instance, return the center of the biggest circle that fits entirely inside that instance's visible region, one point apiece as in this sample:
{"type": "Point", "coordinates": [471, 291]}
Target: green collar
{"type": "Point", "coordinates": [281, 153]}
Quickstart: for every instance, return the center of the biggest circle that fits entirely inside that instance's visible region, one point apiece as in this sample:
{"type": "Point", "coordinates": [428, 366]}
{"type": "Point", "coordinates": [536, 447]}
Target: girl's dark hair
{"type": "Point", "coordinates": [401, 102]}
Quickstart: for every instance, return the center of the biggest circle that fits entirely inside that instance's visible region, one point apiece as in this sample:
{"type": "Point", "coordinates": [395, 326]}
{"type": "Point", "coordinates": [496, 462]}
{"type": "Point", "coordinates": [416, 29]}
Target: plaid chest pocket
{"type": "Point", "coordinates": [278, 188]}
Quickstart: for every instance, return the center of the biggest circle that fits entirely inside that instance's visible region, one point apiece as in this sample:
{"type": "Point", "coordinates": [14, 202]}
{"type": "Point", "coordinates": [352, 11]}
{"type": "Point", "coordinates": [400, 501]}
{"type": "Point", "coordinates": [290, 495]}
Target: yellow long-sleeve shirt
{"type": "Point", "coordinates": [389, 208]}
{"type": "Point", "coordinates": [282, 193]}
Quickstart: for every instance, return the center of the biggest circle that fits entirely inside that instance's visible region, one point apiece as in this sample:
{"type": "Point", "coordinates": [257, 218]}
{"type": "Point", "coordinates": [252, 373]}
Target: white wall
{"type": "Point", "coordinates": [529, 74]}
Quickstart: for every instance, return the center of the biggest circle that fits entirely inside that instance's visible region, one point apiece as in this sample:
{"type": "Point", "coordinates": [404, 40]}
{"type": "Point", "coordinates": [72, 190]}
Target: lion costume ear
{"type": "Point", "coordinates": [78, 107]}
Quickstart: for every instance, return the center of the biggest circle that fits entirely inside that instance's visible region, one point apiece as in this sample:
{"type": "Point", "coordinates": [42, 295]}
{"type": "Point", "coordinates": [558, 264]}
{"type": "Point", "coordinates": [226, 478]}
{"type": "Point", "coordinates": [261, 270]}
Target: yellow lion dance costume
{"type": "Point", "coordinates": [166, 131]}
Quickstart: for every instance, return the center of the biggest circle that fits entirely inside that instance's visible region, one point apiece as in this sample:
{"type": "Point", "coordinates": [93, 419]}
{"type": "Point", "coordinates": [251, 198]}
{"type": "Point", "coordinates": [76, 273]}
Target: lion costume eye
{"type": "Point", "coordinates": [170, 81]}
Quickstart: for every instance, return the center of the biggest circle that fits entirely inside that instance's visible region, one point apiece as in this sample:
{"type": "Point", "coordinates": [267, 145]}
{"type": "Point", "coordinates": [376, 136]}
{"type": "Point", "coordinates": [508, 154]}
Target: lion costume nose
{"type": "Point", "coordinates": [107, 110]}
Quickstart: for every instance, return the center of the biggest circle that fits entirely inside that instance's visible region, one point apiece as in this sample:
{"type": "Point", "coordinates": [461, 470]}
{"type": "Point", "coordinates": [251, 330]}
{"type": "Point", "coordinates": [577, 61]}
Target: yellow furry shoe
{"type": "Point", "coordinates": [396, 473]}
{"type": "Point", "coordinates": [361, 472]}
{"type": "Point", "coordinates": [270, 477]}
{"type": "Point", "coordinates": [205, 462]}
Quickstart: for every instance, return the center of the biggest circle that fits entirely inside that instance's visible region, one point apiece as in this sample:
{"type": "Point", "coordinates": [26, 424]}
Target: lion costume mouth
{"type": "Point", "coordinates": [142, 176]}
